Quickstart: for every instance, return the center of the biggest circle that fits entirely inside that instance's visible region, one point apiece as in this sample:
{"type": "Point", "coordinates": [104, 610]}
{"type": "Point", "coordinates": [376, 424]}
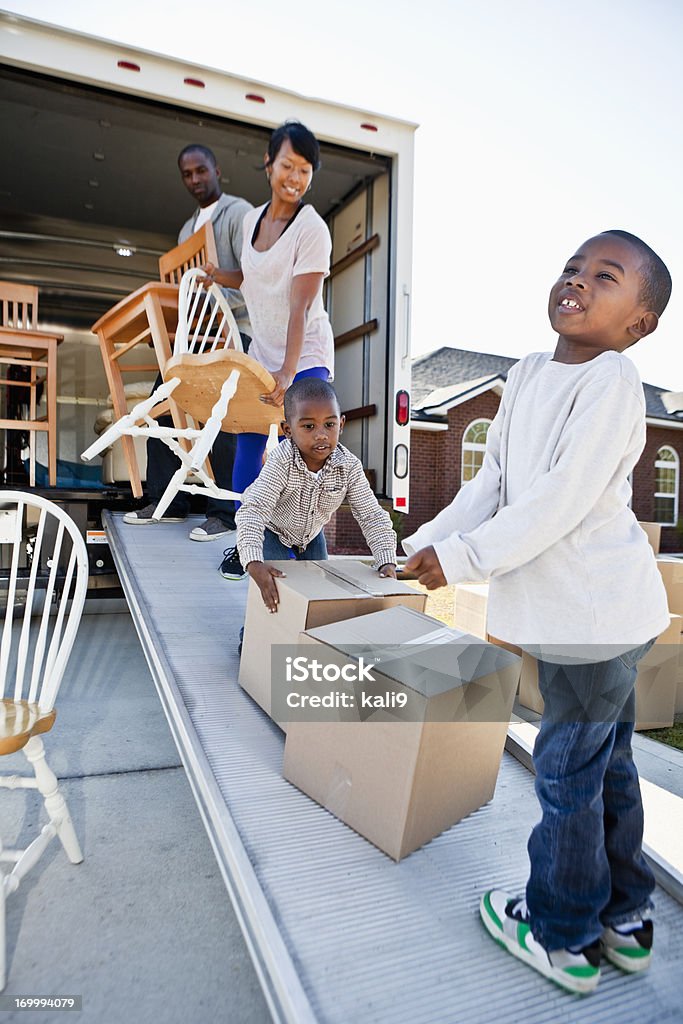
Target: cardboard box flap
{"type": "Point", "coordinates": [415, 650]}
{"type": "Point", "coordinates": [338, 580]}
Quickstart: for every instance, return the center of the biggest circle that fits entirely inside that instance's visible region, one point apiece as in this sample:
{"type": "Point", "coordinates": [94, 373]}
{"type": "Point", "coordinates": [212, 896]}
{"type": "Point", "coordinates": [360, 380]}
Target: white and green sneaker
{"type": "Point", "coordinates": [629, 946]}
{"type": "Point", "coordinates": [506, 919]}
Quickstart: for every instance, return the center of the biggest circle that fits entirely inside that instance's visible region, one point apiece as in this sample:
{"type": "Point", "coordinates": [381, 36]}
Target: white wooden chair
{"type": "Point", "coordinates": [40, 624]}
{"type": "Point", "coordinates": [202, 377]}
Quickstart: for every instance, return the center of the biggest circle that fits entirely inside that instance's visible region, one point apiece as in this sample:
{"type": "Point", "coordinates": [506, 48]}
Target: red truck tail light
{"type": "Point", "coordinates": [402, 408]}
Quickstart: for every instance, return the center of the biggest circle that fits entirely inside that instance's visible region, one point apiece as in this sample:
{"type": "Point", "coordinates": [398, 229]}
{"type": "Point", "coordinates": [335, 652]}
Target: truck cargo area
{"type": "Point", "coordinates": [337, 931]}
{"type": "Point", "coordinates": [93, 197]}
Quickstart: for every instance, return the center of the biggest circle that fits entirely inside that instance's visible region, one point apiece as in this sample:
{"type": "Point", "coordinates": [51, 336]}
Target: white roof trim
{"type": "Point", "coordinates": [440, 401]}
{"type": "Point", "coordinates": [427, 425]}
{"type": "Point", "coordinates": [652, 421]}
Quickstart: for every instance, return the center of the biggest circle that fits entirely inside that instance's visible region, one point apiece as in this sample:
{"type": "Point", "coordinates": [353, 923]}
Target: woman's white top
{"type": "Point", "coordinates": [547, 516]}
{"type": "Point", "coordinates": [304, 248]}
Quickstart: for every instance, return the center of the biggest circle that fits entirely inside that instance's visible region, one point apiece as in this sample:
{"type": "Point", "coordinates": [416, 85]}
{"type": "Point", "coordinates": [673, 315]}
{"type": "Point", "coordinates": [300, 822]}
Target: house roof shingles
{"type": "Point", "coordinates": [446, 367]}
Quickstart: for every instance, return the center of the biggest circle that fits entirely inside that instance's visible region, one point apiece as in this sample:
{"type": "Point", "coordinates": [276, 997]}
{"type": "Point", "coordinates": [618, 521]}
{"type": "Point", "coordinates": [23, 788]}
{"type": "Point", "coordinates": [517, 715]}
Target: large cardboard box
{"type": "Point", "coordinates": [401, 773]}
{"type": "Point", "coordinates": [470, 613]}
{"type": "Point", "coordinates": [672, 575]}
{"type": "Point", "coordinates": [312, 594]}
{"type": "Point", "coordinates": [654, 534]}
{"type": "Point", "coordinates": [656, 682]}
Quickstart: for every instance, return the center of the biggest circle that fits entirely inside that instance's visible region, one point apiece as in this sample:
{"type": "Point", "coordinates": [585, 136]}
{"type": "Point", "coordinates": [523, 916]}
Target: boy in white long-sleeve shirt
{"type": "Point", "coordinates": [573, 581]}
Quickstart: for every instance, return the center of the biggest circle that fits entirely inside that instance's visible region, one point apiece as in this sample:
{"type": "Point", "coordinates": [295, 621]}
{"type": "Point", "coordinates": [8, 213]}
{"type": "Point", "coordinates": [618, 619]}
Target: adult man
{"type": "Point", "coordinates": [201, 176]}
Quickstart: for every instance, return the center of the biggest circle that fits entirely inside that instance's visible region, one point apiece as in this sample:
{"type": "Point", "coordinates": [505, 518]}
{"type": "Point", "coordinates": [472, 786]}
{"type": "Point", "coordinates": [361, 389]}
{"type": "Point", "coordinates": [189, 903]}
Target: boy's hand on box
{"type": "Point", "coordinates": [388, 570]}
{"type": "Point", "coordinates": [426, 568]}
{"type": "Point", "coordinates": [263, 576]}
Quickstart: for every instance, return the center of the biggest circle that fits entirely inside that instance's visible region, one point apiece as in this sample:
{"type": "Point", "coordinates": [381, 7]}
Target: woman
{"type": "Point", "coordinates": [285, 259]}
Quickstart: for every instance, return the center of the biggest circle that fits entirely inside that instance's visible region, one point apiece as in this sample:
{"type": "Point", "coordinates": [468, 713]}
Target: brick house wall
{"type": "Point", "coordinates": [644, 483]}
{"type": "Point", "coordinates": [435, 470]}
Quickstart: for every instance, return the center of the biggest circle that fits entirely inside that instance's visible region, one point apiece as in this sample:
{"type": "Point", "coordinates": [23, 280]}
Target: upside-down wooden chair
{"type": "Point", "coordinates": [149, 316]}
{"type": "Point", "coordinates": [213, 381]}
{"type": "Point", "coordinates": [43, 602]}
{"type": "Point", "coordinates": [22, 345]}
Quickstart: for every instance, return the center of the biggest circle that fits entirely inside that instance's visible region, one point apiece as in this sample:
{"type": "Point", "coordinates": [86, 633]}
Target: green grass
{"type": "Point", "coordinates": [673, 736]}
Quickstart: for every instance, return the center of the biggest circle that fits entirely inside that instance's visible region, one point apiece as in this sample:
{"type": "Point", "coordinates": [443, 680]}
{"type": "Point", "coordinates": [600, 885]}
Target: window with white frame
{"type": "Point", "coordinates": [473, 448]}
{"type": "Point", "coordinates": [667, 473]}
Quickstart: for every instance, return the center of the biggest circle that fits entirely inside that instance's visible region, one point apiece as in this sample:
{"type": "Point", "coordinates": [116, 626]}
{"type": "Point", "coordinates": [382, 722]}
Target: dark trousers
{"type": "Point", "coordinates": [162, 464]}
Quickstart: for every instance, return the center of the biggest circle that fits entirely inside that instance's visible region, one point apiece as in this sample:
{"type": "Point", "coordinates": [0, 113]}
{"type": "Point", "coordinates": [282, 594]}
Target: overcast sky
{"type": "Point", "coordinates": [541, 123]}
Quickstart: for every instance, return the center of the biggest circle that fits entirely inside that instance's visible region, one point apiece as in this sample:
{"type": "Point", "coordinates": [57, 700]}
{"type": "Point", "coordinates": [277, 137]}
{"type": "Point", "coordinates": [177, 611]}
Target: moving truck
{"type": "Point", "coordinates": [92, 196]}
{"type": "Point", "coordinates": [336, 930]}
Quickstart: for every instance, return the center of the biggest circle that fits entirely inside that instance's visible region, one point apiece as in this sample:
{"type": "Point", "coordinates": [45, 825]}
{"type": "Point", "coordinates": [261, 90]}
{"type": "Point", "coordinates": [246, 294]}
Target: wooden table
{"type": "Point", "coordinates": [35, 350]}
{"type": "Point", "coordinates": [148, 315]}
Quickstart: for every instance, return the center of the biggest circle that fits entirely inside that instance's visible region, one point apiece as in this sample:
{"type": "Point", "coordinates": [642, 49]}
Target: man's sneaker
{"type": "Point", "coordinates": [629, 946]}
{"type": "Point", "coordinates": [507, 920]}
{"type": "Point", "coordinates": [211, 529]}
{"type": "Point", "coordinates": [145, 517]}
{"type": "Point", "coordinates": [231, 567]}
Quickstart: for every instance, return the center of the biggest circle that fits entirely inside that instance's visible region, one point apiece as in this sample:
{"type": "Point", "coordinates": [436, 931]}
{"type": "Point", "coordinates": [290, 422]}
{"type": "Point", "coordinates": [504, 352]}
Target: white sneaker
{"type": "Point", "coordinates": [629, 946]}
{"type": "Point", "coordinates": [506, 919]}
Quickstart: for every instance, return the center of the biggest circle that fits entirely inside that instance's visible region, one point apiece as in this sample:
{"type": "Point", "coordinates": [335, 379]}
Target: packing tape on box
{"type": "Point", "coordinates": [351, 583]}
{"type": "Point", "coordinates": [444, 633]}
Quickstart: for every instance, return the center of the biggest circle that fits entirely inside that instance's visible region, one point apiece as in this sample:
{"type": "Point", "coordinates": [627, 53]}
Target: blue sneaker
{"type": "Point", "coordinates": [506, 919]}
{"type": "Point", "coordinates": [231, 568]}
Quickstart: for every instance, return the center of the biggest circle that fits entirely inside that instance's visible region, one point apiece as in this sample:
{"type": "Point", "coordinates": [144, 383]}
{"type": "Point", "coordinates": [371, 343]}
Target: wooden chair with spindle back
{"type": "Point", "coordinates": [212, 380]}
{"type": "Point", "coordinates": [24, 347]}
{"type": "Point", "coordinates": [44, 580]}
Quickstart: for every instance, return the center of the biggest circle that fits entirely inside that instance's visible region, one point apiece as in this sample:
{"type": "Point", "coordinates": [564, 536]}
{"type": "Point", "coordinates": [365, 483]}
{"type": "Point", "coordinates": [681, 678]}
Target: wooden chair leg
{"type": "Point", "coordinates": [55, 803]}
{"type": "Point", "coordinates": [172, 489]}
{"type": "Point", "coordinates": [272, 442]}
{"type": "Point", "coordinates": [118, 400]}
{"type": "Point", "coordinates": [32, 413]}
{"type": "Point", "coordinates": [3, 941]}
{"type": "Point", "coordinates": [51, 384]}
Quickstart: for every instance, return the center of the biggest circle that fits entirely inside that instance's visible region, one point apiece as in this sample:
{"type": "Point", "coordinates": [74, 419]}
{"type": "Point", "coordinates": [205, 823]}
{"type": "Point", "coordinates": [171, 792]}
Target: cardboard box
{"type": "Point", "coordinates": [654, 534]}
{"type": "Point", "coordinates": [401, 775]}
{"type": "Point", "coordinates": [656, 682]}
{"type": "Point", "coordinates": [529, 693]}
{"type": "Point", "coordinates": [672, 575]}
{"type": "Point", "coordinates": [678, 707]}
{"type": "Point", "coordinates": [470, 613]}
{"type": "Point", "coordinates": [470, 608]}
{"type": "Point", "coordinates": [313, 594]}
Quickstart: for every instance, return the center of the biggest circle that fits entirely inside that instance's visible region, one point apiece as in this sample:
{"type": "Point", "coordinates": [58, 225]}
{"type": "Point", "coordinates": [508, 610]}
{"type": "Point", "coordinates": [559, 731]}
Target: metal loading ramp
{"type": "Point", "coordinates": [338, 932]}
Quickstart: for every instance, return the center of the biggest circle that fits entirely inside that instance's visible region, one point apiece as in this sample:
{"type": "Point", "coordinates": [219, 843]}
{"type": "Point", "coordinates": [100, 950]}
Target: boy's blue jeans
{"type": "Point", "coordinates": [275, 550]}
{"type": "Point", "coordinates": [587, 865]}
